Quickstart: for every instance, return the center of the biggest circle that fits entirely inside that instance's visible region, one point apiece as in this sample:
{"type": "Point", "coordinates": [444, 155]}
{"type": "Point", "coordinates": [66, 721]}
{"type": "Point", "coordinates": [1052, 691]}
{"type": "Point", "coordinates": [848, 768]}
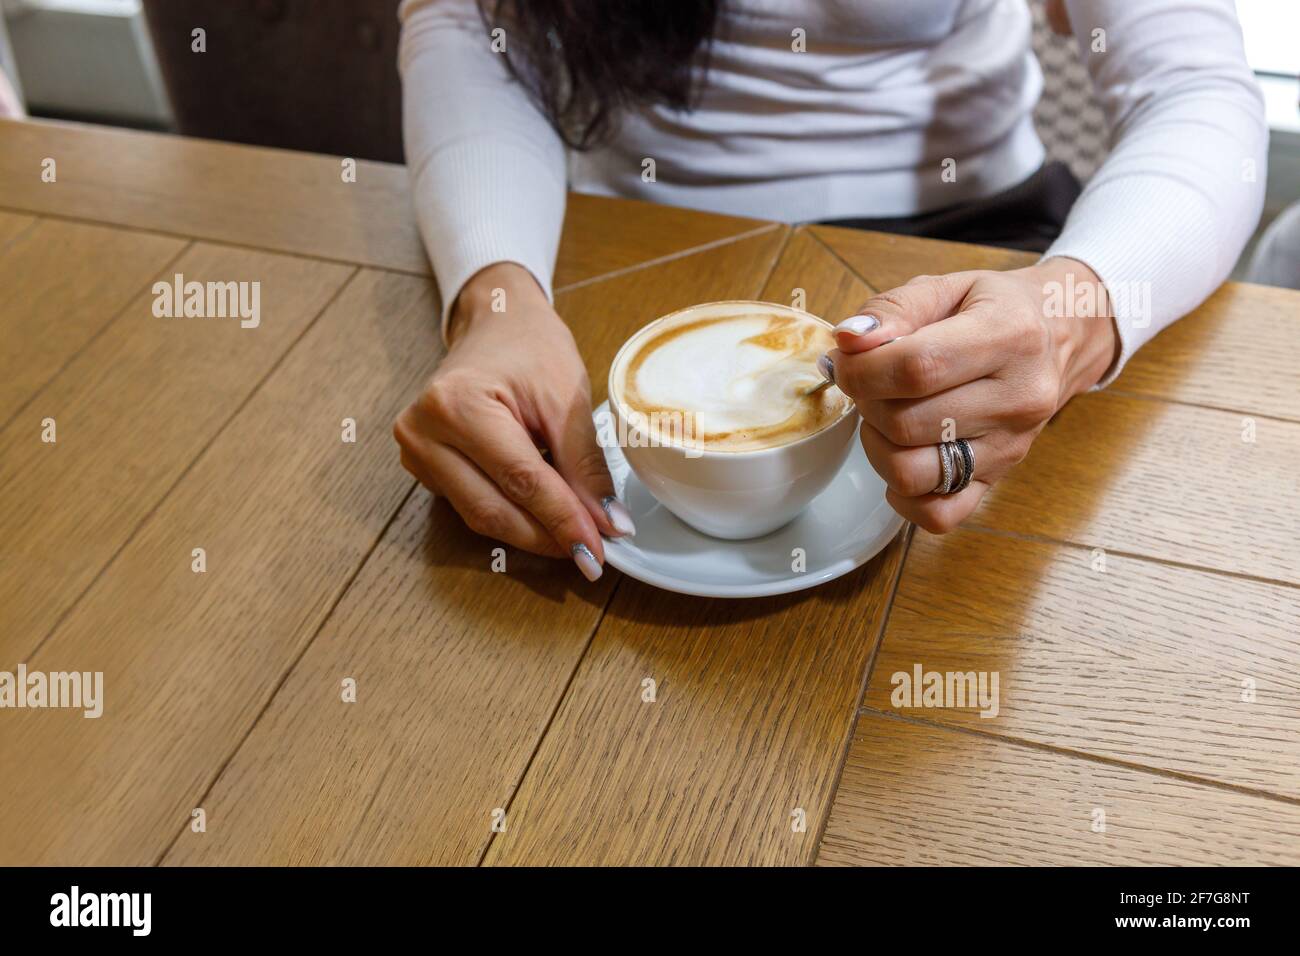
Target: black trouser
{"type": "Point", "coordinates": [1027, 216]}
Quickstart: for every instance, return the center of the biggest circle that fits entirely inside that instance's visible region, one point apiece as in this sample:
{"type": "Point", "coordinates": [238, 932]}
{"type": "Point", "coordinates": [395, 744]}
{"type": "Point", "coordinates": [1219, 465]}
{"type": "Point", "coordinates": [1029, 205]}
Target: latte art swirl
{"type": "Point", "coordinates": [735, 373]}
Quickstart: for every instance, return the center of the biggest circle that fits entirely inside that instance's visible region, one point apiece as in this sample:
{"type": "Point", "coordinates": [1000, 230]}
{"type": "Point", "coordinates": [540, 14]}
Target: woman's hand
{"type": "Point", "coordinates": [512, 384]}
{"type": "Point", "coordinates": [985, 356]}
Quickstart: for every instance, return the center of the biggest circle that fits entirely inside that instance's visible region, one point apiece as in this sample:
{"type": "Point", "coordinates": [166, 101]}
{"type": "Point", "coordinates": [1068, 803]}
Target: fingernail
{"type": "Point", "coordinates": [618, 515]}
{"type": "Point", "coordinates": [859, 324]}
{"type": "Point", "coordinates": [827, 368]}
{"type": "Point", "coordinates": [586, 561]}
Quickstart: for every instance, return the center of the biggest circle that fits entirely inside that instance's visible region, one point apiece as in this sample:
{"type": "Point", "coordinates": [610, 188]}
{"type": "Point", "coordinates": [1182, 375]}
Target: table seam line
{"type": "Point", "coordinates": [293, 665]}
{"type": "Point", "coordinates": [809, 230]}
{"type": "Point", "coordinates": [189, 467]}
{"type": "Point", "coordinates": [777, 256]}
{"type": "Point", "coordinates": [847, 742]}
{"type": "Point", "coordinates": [669, 257]}
{"type": "Point", "coordinates": [846, 747]}
{"type": "Point", "coordinates": [397, 270]}
{"type": "Point", "coordinates": [21, 233]}
{"type": "Point", "coordinates": [251, 247]}
{"type": "Point", "coordinates": [1040, 746]}
{"type": "Point", "coordinates": [154, 277]}
{"type": "Point", "coordinates": [600, 620]}
{"type": "Point", "coordinates": [813, 228]}
{"type": "Point", "coordinates": [1143, 397]}
{"type": "Point", "coordinates": [550, 720]}
{"type": "Point", "coordinates": [1131, 555]}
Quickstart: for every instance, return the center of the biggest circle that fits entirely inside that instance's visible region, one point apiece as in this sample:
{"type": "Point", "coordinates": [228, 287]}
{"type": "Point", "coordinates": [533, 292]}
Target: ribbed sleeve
{"type": "Point", "coordinates": [487, 171]}
{"type": "Point", "coordinates": [1166, 216]}
{"type": "Point", "coordinates": [1162, 221]}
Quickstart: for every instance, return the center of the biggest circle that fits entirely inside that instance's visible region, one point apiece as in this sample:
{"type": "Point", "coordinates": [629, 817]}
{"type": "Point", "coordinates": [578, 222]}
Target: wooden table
{"type": "Point", "coordinates": [1133, 584]}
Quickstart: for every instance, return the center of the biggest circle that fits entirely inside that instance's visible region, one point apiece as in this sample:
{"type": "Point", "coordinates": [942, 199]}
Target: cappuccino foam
{"type": "Point", "coordinates": [734, 372]}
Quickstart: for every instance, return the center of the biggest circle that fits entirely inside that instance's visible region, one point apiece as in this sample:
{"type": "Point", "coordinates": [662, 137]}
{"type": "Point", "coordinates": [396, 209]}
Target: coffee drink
{"type": "Point", "coordinates": [729, 377]}
{"type": "Point", "coordinates": [709, 406]}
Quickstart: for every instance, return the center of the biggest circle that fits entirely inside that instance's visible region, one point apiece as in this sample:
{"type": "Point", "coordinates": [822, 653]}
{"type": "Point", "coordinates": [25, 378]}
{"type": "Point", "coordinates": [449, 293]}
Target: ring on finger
{"type": "Point", "coordinates": [967, 455]}
{"type": "Point", "coordinates": [946, 468]}
{"type": "Point", "coordinates": [956, 465]}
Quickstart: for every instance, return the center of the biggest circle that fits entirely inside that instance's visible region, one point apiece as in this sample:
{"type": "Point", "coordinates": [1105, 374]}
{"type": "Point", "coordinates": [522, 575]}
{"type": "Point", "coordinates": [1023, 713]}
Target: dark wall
{"type": "Point", "coordinates": [318, 75]}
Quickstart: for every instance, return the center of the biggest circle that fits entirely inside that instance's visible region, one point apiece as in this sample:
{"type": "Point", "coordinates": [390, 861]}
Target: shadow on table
{"type": "Point", "coordinates": [1080, 432]}
{"type": "Point", "coordinates": [849, 600]}
{"type": "Point", "coordinates": [449, 544]}
{"type": "Point", "coordinates": [973, 601]}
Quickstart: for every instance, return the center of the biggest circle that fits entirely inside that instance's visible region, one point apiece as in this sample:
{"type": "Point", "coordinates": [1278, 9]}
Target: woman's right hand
{"type": "Point", "coordinates": [512, 384]}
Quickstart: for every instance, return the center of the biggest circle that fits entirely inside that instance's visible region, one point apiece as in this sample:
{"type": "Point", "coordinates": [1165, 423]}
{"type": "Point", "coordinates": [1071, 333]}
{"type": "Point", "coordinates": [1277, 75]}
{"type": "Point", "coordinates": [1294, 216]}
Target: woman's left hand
{"type": "Point", "coordinates": [985, 356]}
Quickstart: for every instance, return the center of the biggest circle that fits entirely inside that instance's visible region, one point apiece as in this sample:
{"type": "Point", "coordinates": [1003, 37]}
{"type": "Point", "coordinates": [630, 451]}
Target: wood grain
{"type": "Point", "coordinates": [477, 691]}
{"type": "Point", "coordinates": [12, 226]}
{"type": "Point", "coordinates": [132, 411]}
{"type": "Point", "coordinates": [754, 701]}
{"type": "Point", "coordinates": [1239, 351]}
{"type": "Point", "coordinates": [604, 235]}
{"type": "Point", "coordinates": [459, 669]}
{"type": "Point", "coordinates": [917, 795]}
{"type": "Point", "coordinates": [885, 260]}
{"type": "Point", "coordinates": [64, 282]}
{"type": "Point", "coordinates": [1162, 480]}
{"type": "Point", "coordinates": [810, 277]}
{"type": "Point", "coordinates": [287, 512]}
{"type": "Point", "coordinates": [269, 198]}
{"type": "Point", "coordinates": [1133, 660]}
{"type": "Point", "coordinates": [298, 202]}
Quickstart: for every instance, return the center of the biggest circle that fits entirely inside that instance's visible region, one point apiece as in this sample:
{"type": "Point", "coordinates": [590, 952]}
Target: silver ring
{"type": "Point", "coordinates": [967, 454]}
{"type": "Point", "coordinates": [945, 468]}
{"type": "Point", "coordinates": [958, 468]}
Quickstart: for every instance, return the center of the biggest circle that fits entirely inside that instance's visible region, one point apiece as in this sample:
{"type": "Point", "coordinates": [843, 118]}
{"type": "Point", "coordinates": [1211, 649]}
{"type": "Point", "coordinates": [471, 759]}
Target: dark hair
{"type": "Point", "coordinates": [584, 61]}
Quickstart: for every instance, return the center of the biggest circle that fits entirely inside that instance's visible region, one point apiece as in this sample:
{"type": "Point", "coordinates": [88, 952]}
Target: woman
{"type": "Point", "coordinates": [800, 110]}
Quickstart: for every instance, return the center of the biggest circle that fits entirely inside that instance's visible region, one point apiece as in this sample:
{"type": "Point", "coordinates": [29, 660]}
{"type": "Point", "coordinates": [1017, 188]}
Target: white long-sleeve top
{"type": "Point", "coordinates": [859, 123]}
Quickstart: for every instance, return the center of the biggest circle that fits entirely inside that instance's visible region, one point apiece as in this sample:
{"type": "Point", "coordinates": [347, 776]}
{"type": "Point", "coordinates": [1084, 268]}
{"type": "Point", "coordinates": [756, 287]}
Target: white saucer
{"type": "Point", "coordinates": [845, 527]}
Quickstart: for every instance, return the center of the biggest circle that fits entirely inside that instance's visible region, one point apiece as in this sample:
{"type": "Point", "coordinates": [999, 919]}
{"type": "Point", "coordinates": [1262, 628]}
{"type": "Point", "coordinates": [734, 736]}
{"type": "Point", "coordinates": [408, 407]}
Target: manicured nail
{"type": "Point", "coordinates": [859, 324]}
{"type": "Point", "coordinates": [586, 561]}
{"type": "Point", "coordinates": [618, 515]}
{"type": "Point", "coordinates": [827, 368]}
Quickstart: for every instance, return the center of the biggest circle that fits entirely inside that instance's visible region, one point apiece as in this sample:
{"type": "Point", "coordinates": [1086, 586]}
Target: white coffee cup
{"type": "Point", "coordinates": [732, 494]}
